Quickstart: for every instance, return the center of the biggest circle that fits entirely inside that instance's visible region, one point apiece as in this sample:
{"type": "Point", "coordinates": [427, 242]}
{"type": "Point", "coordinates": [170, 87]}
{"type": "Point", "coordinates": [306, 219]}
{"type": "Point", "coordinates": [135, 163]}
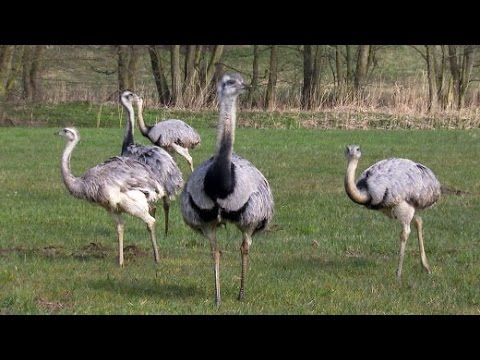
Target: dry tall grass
{"type": "Point", "coordinates": [380, 105]}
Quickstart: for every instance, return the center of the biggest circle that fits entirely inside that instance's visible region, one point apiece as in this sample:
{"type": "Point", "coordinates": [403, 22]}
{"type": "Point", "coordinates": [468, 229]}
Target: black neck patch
{"type": "Point", "coordinates": [128, 139]}
{"type": "Point", "coordinates": [219, 180]}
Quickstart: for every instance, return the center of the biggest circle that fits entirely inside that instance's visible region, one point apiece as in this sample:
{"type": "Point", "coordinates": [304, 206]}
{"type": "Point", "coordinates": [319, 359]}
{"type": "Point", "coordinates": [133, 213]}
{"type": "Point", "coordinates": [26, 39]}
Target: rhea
{"type": "Point", "coordinates": [227, 188]}
{"type": "Point", "coordinates": [161, 163]}
{"type": "Point", "coordinates": [120, 185]}
{"type": "Point", "coordinates": [399, 188]}
{"type": "Point", "coordinates": [173, 135]}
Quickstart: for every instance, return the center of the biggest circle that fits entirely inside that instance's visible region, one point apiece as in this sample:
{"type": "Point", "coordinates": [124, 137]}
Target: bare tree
{"type": "Point", "coordinates": [340, 77]}
{"type": "Point", "coordinates": [122, 67]}
{"type": "Point", "coordinates": [432, 78]}
{"type": "Point", "coordinates": [461, 64]}
{"type": "Point", "coordinates": [176, 76]}
{"type": "Point", "coordinates": [190, 74]}
{"type": "Point", "coordinates": [307, 76]}
{"type": "Point", "coordinates": [362, 66]}
{"type": "Point", "coordinates": [6, 56]}
{"type": "Point", "coordinates": [135, 54]}
{"type": "Point", "coordinates": [32, 69]}
{"type": "Point", "coordinates": [270, 97]}
{"type": "Point", "coordinates": [252, 99]}
{"type": "Point", "coordinates": [128, 58]}
{"type": "Point", "coordinates": [312, 69]}
{"type": "Point", "coordinates": [164, 95]}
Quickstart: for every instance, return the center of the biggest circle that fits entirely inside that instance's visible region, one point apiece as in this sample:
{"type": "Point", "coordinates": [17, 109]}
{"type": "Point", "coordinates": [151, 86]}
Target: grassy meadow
{"type": "Point", "coordinates": [323, 254]}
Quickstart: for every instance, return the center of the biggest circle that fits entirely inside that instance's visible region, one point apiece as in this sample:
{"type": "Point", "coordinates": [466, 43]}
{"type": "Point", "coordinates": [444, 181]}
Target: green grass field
{"type": "Point", "coordinates": [323, 254]}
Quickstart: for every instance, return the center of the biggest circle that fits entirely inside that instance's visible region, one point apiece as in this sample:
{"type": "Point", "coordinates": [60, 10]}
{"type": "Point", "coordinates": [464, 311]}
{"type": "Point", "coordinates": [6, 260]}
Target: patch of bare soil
{"type": "Point", "coordinates": [54, 306]}
{"type": "Point", "coordinates": [94, 250]}
{"type": "Point", "coordinates": [132, 251]}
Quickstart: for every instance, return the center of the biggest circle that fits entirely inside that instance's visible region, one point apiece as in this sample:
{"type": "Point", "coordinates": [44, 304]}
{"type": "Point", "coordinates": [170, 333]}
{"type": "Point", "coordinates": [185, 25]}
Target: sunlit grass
{"type": "Point", "coordinates": [323, 254]}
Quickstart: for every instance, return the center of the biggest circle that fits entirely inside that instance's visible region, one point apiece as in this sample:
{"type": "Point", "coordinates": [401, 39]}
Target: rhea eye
{"type": "Point", "coordinates": [230, 82]}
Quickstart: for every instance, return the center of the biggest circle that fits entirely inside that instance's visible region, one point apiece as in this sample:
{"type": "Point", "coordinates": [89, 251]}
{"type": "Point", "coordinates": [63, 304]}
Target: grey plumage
{"type": "Point", "coordinates": [120, 184]}
{"type": "Point", "coordinates": [227, 188]}
{"type": "Point", "coordinates": [173, 135]}
{"type": "Point", "coordinates": [173, 131]}
{"type": "Point", "coordinates": [160, 162]}
{"type": "Point", "coordinates": [397, 187]}
{"type": "Point", "coordinates": [393, 180]}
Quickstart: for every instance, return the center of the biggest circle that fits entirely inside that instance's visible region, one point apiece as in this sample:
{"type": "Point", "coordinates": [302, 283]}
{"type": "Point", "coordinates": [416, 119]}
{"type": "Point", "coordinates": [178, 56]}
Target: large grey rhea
{"type": "Point", "coordinates": [173, 135]}
{"type": "Point", "coordinates": [166, 171]}
{"type": "Point", "coordinates": [120, 184]}
{"type": "Point", "coordinates": [227, 188]}
{"type": "Point", "coordinates": [397, 187]}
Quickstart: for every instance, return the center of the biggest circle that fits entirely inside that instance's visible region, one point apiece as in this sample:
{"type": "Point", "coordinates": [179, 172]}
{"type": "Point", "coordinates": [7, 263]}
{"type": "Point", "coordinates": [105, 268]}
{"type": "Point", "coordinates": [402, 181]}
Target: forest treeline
{"type": "Point", "coordinates": [304, 77]}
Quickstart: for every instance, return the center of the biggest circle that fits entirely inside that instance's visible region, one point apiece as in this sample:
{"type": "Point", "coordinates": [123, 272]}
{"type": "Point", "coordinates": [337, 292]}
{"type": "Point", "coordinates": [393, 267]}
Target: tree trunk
{"type": "Point", "coordinates": [159, 75]}
{"type": "Point", "coordinates": [35, 73]}
{"type": "Point", "coordinates": [455, 71]}
{"type": "Point", "coordinates": [208, 74]}
{"type": "Point", "coordinates": [15, 69]}
{"type": "Point", "coordinates": [362, 67]}
{"type": "Point", "coordinates": [122, 67]}
{"type": "Point", "coordinates": [316, 76]}
{"type": "Point", "coordinates": [6, 57]}
{"type": "Point", "coordinates": [26, 65]}
{"type": "Point", "coordinates": [32, 67]}
{"type": "Point", "coordinates": [190, 75]}
{"type": "Point", "coordinates": [467, 66]}
{"type": "Point", "coordinates": [272, 79]}
{"type": "Point", "coordinates": [307, 77]}
{"type": "Point", "coordinates": [340, 75]}
{"type": "Point", "coordinates": [348, 61]}
{"type": "Point", "coordinates": [176, 76]}
{"type": "Point", "coordinates": [252, 94]}
{"type": "Point", "coordinates": [432, 78]}
{"type": "Point", "coordinates": [135, 52]}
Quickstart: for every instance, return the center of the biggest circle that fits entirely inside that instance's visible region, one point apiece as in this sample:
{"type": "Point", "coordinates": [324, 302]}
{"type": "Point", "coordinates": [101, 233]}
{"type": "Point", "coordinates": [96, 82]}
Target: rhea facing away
{"type": "Point", "coordinates": [173, 135]}
{"type": "Point", "coordinates": [397, 187]}
{"type": "Point", "coordinates": [227, 188]}
{"type": "Point", "coordinates": [120, 185]}
{"type": "Point", "coordinates": [165, 169]}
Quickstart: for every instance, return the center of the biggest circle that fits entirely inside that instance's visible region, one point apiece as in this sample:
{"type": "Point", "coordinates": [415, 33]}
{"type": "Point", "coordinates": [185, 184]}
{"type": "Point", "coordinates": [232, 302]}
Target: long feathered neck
{"type": "Point", "coordinates": [220, 180]}
{"type": "Point", "coordinates": [226, 129]}
{"type": "Point", "coordinates": [73, 184]}
{"type": "Point", "coordinates": [353, 192]}
{"type": "Point", "coordinates": [144, 129]}
{"type": "Point", "coordinates": [128, 136]}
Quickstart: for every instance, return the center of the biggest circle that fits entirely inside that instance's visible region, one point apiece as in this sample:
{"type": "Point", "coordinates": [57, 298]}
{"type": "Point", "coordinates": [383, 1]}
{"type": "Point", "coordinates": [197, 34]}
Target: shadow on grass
{"type": "Point", "coordinates": [142, 288]}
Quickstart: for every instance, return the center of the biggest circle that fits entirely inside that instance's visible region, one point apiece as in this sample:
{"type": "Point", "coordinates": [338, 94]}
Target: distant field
{"type": "Point", "coordinates": [323, 254]}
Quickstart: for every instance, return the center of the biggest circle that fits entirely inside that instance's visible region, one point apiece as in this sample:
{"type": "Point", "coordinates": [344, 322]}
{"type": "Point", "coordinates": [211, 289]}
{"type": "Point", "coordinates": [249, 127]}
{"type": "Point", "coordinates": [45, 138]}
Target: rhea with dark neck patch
{"type": "Point", "coordinates": [166, 171]}
{"type": "Point", "coordinates": [220, 178]}
{"type": "Point", "coordinates": [227, 188]}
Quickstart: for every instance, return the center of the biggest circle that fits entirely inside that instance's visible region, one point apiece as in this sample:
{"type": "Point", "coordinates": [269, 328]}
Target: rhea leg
{"type": "Point", "coordinates": [404, 213]}
{"type": "Point", "coordinates": [166, 209]}
{"type": "Point", "coordinates": [136, 204]}
{"type": "Point", "coordinates": [403, 241]}
{"type": "Point", "coordinates": [423, 257]}
{"type": "Point", "coordinates": [120, 229]}
{"type": "Point", "coordinates": [244, 250]}
{"type": "Point", "coordinates": [150, 221]}
{"type": "Point", "coordinates": [151, 230]}
{"type": "Point", "coordinates": [183, 152]}
{"type": "Point", "coordinates": [210, 233]}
